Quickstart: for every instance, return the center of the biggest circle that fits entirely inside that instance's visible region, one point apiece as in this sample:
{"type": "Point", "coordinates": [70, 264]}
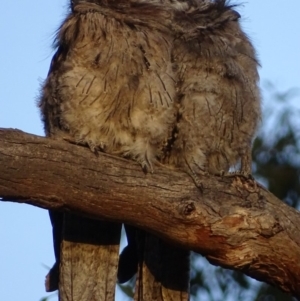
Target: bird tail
{"type": "Point", "coordinates": [88, 259]}
{"type": "Point", "coordinates": [162, 268]}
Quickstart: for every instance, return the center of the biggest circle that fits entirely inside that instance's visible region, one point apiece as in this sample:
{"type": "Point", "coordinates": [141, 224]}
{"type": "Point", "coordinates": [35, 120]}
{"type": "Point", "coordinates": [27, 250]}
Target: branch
{"type": "Point", "coordinates": [234, 222]}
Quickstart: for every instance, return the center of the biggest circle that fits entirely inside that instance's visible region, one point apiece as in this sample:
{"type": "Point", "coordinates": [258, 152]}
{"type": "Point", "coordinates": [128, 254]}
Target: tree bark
{"type": "Point", "coordinates": [234, 222]}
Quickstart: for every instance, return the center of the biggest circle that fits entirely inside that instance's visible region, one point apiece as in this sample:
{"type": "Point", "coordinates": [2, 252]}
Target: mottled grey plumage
{"type": "Point", "coordinates": [155, 81]}
{"type": "Point", "coordinates": [110, 87]}
{"type": "Point", "coordinates": [218, 96]}
{"type": "Point", "coordinates": [111, 83]}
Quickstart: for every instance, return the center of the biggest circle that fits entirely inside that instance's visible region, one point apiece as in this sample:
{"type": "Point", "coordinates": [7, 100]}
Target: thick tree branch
{"type": "Point", "coordinates": [234, 222]}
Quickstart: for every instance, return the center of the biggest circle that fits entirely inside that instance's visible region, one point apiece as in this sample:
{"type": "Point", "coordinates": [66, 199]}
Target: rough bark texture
{"type": "Point", "coordinates": [234, 222]}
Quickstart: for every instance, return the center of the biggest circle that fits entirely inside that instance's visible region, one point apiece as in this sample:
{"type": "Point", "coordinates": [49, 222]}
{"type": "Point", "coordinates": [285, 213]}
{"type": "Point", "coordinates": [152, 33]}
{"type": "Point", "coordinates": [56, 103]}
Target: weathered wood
{"type": "Point", "coordinates": [234, 222]}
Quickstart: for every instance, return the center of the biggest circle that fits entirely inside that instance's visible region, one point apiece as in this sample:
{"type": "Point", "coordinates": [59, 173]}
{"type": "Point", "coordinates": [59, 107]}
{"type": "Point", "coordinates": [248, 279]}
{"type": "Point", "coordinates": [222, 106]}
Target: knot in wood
{"type": "Point", "coordinates": [187, 208]}
{"type": "Point", "coordinates": [269, 225]}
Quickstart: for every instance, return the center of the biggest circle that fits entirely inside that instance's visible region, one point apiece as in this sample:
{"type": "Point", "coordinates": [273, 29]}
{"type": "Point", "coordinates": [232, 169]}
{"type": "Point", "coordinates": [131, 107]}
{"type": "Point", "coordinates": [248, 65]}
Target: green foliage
{"type": "Point", "coordinates": [271, 293]}
{"type": "Point", "coordinates": [127, 288]}
{"type": "Point", "coordinates": [217, 284]}
{"type": "Point", "coordinates": [50, 297]}
{"type": "Point", "coordinates": [276, 151]}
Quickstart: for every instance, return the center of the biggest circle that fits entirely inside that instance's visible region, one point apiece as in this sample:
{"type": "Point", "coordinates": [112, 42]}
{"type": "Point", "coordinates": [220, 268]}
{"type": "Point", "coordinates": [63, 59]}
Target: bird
{"type": "Point", "coordinates": [219, 103]}
{"type": "Point", "coordinates": [166, 82]}
{"type": "Point", "coordinates": [111, 88]}
{"type": "Point", "coordinates": [218, 111]}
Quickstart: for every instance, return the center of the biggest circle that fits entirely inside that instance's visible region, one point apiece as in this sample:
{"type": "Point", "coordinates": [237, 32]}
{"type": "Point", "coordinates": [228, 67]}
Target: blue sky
{"type": "Point", "coordinates": [27, 30]}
